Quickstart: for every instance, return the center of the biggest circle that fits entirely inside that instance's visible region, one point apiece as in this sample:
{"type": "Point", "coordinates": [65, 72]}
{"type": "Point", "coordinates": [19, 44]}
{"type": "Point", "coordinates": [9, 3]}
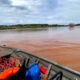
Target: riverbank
{"type": "Point", "coordinates": [24, 26]}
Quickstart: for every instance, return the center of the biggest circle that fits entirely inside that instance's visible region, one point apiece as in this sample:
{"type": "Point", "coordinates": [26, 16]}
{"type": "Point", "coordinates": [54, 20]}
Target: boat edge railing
{"type": "Point", "coordinates": [73, 71]}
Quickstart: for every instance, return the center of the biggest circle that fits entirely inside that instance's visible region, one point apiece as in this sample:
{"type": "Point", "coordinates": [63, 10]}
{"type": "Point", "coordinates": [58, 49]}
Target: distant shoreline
{"type": "Point", "coordinates": [26, 26]}
{"type": "Point", "coordinates": [4, 27]}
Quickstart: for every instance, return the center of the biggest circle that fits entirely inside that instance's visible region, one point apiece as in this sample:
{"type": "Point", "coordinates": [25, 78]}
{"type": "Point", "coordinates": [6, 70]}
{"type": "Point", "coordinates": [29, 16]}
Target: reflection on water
{"type": "Point", "coordinates": [64, 34]}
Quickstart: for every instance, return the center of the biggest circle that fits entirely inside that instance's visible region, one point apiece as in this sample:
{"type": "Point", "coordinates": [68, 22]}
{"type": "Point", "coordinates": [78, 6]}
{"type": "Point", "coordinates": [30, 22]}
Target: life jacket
{"type": "Point", "coordinates": [33, 72]}
{"type": "Point", "coordinates": [9, 72]}
{"type": "Point", "coordinates": [20, 74]}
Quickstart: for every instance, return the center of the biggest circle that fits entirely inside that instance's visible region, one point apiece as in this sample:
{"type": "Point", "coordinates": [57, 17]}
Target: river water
{"type": "Point", "coordinates": [61, 44]}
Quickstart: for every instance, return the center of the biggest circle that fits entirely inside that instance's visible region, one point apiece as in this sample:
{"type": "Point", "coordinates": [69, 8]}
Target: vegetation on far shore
{"type": "Point", "coordinates": [20, 26]}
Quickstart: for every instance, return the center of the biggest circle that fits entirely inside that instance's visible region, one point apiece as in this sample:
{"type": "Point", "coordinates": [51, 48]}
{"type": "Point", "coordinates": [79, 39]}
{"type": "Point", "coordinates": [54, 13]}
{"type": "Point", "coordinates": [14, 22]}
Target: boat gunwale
{"type": "Point", "coordinates": [61, 66]}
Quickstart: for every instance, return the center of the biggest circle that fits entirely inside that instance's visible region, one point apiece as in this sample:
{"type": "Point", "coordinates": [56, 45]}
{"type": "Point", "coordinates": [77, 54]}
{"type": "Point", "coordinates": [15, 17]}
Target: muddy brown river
{"type": "Point", "coordinates": [61, 44]}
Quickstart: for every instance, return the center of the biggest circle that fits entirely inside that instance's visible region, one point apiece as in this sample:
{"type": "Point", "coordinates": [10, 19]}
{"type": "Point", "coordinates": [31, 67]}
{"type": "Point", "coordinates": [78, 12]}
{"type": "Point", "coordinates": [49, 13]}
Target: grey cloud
{"type": "Point", "coordinates": [20, 7]}
{"type": "Point", "coordinates": [5, 2]}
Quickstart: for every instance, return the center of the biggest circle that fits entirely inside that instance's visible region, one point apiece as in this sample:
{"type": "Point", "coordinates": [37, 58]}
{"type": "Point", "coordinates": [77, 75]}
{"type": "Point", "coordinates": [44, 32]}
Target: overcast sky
{"type": "Point", "coordinates": [39, 11]}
